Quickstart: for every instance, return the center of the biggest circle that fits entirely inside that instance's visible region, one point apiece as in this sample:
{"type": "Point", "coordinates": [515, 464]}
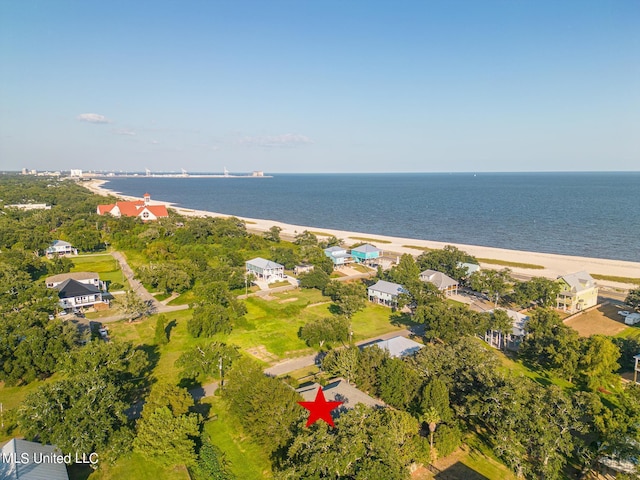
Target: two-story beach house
{"type": "Point", "coordinates": [338, 256]}
{"type": "Point", "coordinates": [60, 248]}
{"type": "Point", "coordinates": [579, 291]}
{"type": "Point", "coordinates": [512, 339]}
{"type": "Point", "coordinates": [366, 253]}
{"type": "Point", "coordinates": [78, 290]}
{"type": "Point", "coordinates": [137, 208]}
{"type": "Point", "coordinates": [265, 270]}
{"type": "Point", "coordinates": [385, 293]}
{"type": "Point", "coordinates": [444, 283]}
{"type": "Point", "coordinates": [89, 278]}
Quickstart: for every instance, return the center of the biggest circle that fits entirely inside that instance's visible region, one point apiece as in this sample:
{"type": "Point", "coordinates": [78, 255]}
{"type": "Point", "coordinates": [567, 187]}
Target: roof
{"type": "Point", "coordinates": [579, 281]}
{"type": "Point", "coordinates": [439, 279]}
{"type": "Point", "coordinates": [134, 208]}
{"type": "Point", "coordinates": [335, 249]}
{"type": "Point", "coordinates": [469, 267]}
{"type": "Point", "coordinates": [72, 288]}
{"type": "Point", "coordinates": [387, 287]}
{"type": "Point", "coordinates": [102, 209]}
{"type": "Point", "coordinates": [263, 264]}
{"type": "Point", "coordinates": [519, 320]}
{"type": "Point", "coordinates": [18, 449]}
{"type": "Point", "coordinates": [399, 346]}
{"type": "Point", "coordinates": [73, 275]}
{"type": "Point", "coordinates": [366, 248]}
{"type": "Point", "coordinates": [339, 390]}
{"type": "Point", "coordinates": [60, 243]}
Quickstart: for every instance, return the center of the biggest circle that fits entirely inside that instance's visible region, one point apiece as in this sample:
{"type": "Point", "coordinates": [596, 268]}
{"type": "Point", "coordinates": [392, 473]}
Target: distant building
{"type": "Point", "coordinates": [385, 293]}
{"type": "Point", "coordinates": [265, 270]}
{"type": "Point", "coordinates": [444, 283]}
{"type": "Point", "coordinates": [304, 268]}
{"type": "Point", "coordinates": [338, 256]}
{"type": "Point", "coordinates": [60, 248]}
{"type": "Point", "coordinates": [579, 291]}
{"type": "Point", "coordinates": [29, 206]}
{"type": "Point", "coordinates": [513, 339]}
{"type": "Point", "coordinates": [24, 460]}
{"type": "Point", "coordinates": [138, 208]}
{"type": "Point", "coordinates": [76, 173]}
{"type": "Point", "coordinates": [365, 253]}
{"type": "Point", "coordinates": [398, 347]}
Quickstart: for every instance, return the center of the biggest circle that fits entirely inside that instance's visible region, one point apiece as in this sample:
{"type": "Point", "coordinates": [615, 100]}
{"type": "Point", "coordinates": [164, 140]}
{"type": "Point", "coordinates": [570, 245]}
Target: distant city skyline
{"type": "Point", "coordinates": [320, 86]}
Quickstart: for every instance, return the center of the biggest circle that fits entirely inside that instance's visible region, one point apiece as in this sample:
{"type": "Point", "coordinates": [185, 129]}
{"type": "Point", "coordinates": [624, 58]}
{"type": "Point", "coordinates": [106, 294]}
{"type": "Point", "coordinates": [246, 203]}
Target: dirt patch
{"type": "Point", "coordinates": [261, 353]}
{"type": "Point", "coordinates": [287, 300]}
{"type": "Point", "coordinates": [317, 304]}
{"type": "Point", "coordinates": [603, 320]}
{"type": "Point", "coordinates": [268, 298]}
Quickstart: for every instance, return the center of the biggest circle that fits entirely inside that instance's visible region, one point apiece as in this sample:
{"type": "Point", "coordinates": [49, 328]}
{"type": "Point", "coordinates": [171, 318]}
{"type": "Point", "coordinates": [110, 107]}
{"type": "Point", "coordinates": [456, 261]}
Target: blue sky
{"type": "Point", "coordinates": [320, 86]}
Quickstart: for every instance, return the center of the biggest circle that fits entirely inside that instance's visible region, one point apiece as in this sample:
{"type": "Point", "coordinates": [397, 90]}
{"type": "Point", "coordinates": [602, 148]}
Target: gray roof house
{"type": "Point", "coordinates": [23, 460]}
{"type": "Point", "coordinates": [365, 253]}
{"type": "Point", "coordinates": [265, 270]}
{"type": "Point", "coordinates": [60, 247]}
{"type": "Point", "coordinates": [74, 294]}
{"type": "Point", "coordinates": [399, 346]}
{"type": "Point", "coordinates": [338, 256]}
{"type": "Point", "coordinates": [90, 278]}
{"type": "Point", "coordinates": [443, 282]}
{"type": "Point", "coordinates": [339, 390]}
{"type": "Point", "coordinates": [385, 293]}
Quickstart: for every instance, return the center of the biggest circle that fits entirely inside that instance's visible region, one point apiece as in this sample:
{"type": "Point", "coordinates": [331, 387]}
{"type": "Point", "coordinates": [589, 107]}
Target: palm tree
{"type": "Point", "coordinates": [431, 417]}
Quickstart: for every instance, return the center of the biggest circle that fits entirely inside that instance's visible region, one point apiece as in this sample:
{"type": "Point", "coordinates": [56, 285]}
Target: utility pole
{"type": "Point", "coordinates": [221, 377]}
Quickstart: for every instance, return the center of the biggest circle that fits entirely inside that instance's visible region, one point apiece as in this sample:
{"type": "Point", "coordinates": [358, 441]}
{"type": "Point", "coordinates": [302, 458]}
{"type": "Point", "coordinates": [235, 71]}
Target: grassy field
{"type": "Point", "coordinates": [104, 265]}
{"type": "Point", "coordinates": [367, 239]}
{"type": "Point", "coordinates": [542, 377]}
{"type": "Point", "coordinates": [137, 467]}
{"type": "Point", "coordinates": [373, 320]}
{"type": "Point", "coordinates": [612, 278]}
{"type": "Point", "coordinates": [505, 263]}
{"type": "Point", "coordinates": [245, 458]}
{"type": "Point", "coordinates": [416, 247]}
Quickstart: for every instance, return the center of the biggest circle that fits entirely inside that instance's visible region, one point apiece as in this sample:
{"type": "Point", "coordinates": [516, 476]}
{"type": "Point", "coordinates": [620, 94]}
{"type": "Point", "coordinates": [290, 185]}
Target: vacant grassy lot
{"type": "Point", "coordinates": [603, 320]}
{"type": "Point", "coordinates": [245, 458]}
{"type": "Point", "coordinates": [137, 467]}
{"type": "Point", "coordinates": [104, 265]}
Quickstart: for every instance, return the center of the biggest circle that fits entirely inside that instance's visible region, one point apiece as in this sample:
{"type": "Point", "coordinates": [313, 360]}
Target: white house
{"type": "Point", "coordinates": [444, 283]}
{"type": "Point", "coordinates": [385, 293]}
{"type": "Point", "coordinates": [74, 294]}
{"type": "Point", "coordinates": [24, 460]}
{"type": "Point", "coordinates": [338, 256]}
{"type": "Point", "coordinates": [399, 346]}
{"type": "Point", "coordinates": [513, 339]}
{"type": "Point", "coordinates": [88, 278]}
{"type": "Point", "coordinates": [265, 270]}
{"type": "Point", "coordinates": [636, 369]}
{"type": "Point", "coordinates": [60, 247]}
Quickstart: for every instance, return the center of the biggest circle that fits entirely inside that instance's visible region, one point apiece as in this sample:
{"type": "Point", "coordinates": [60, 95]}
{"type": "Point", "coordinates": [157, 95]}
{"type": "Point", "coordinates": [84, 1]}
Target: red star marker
{"type": "Point", "coordinates": [320, 409]}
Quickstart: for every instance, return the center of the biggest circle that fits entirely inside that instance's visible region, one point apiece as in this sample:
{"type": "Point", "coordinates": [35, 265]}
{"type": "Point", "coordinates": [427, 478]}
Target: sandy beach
{"type": "Point", "coordinates": [553, 265]}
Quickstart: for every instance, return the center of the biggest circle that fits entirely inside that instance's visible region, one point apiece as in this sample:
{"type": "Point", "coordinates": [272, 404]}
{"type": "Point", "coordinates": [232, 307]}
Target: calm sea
{"type": "Point", "coordinates": [586, 214]}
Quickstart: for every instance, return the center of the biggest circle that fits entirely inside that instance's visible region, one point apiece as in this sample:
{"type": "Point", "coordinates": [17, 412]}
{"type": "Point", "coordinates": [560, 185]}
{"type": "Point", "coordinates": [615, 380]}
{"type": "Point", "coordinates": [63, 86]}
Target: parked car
{"type": "Point", "coordinates": [51, 317]}
{"type": "Point", "coordinates": [632, 319]}
{"type": "Point", "coordinates": [624, 313]}
{"type": "Point", "coordinates": [103, 332]}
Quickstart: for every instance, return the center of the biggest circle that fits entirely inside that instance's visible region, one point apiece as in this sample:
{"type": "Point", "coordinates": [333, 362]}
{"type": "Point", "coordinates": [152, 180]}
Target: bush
{"type": "Point", "coordinates": [447, 439]}
{"type": "Point", "coordinates": [115, 286]}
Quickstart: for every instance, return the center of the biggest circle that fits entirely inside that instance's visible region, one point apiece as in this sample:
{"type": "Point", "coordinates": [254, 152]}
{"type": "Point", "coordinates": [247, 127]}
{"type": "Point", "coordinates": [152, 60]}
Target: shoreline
{"type": "Point", "coordinates": [554, 265]}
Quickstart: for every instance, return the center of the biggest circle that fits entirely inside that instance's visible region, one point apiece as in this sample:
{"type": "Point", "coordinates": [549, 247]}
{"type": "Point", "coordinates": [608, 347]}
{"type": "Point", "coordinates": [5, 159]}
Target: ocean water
{"type": "Point", "coordinates": [585, 214]}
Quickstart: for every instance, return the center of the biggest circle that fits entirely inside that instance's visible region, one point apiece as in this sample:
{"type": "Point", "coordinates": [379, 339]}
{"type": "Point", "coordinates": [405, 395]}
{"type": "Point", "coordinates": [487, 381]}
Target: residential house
{"type": "Point", "coordinates": [385, 293]}
{"type": "Point", "coordinates": [444, 283]}
{"type": "Point", "coordinates": [74, 295]}
{"type": "Point", "coordinates": [338, 256]}
{"type": "Point", "coordinates": [137, 208]}
{"type": "Point", "coordinates": [89, 278]}
{"type": "Point", "coordinates": [636, 369]}
{"type": "Point", "coordinates": [579, 292]}
{"type": "Point", "coordinates": [366, 253]}
{"type": "Point", "coordinates": [24, 460]}
{"type": "Point", "coordinates": [265, 270]}
{"type": "Point", "coordinates": [60, 248]}
{"type": "Point", "coordinates": [304, 268]}
{"type": "Point", "coordinates": [29, 206]}
{"type": "Point", "coordinates": [513, 339]}
{"type": "Point", "coordinates": [470, 268]}
{"type": "Point", "coordinates": [340, 391]}
{"type": "Point", "coordinates": [398, 347]}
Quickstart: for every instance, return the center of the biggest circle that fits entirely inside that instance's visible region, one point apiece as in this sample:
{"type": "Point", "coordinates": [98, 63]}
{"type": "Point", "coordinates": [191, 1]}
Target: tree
{"type": "Point", "coordinates": [539, 290]}
{"type": "Point", "coordinates": [205, 360]}
{"type": "Point", "coordinates": [501, 322]}
{"type": "Point", "coordinates": [58, 265]}
{"type": "Point", "coordinates": [207, 320]}
{"type": "Point", "coordinates": [317, 278]}
{"type": "Point", "coordinates": [306, 238]}
{"type": "Point", "coordinates": [79, 414]}
{"type": "Point", "coordinates": [342, 363]}
{"type": "Point", "coordinates": [633, 299]}
{"type": "Point", "coordinates": [398, 383]}
{"type": "Point", "coordinates": [177, 400]}
{"type": "Point", "coordinates": [331, 329]}
{"type": "Point", "coordinates": [432, 418]}
{"type": "Point", "coordinates": [495, 282]}
{"type": "Point", "coordinates": [211, 464]}
{"type": "Point", "coordinates": [436, 395]}
{"type": "Point", "coordinates": [161, 337]}
{"type": "Point", "coordinates": [599, 362]}
{"type": "Point", "coordinates": [273, 234]}
{"type": "Point", "coordinates": [350, 298]}
{"type": "Point", "coordinates": [447, 261]}
{"type": "Point", "coordinates": [132, 305]}
{"type": "Point", "coordinates": [450, 322]}
{"type": "Point", "coordinates": [406, 272]}
{"type": "Point", "coordinates": [284, 256]}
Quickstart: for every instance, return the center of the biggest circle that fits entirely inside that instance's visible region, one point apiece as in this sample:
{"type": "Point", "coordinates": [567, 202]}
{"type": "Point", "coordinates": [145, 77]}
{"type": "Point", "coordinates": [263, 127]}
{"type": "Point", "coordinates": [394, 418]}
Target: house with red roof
{"type": "Point", "coordinates": [138, 208]}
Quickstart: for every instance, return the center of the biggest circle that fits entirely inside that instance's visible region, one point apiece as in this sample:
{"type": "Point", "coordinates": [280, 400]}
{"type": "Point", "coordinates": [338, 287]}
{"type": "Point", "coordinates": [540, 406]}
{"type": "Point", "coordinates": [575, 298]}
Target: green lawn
{"type": "Point", "coordinates": [373, 320]}
{"type": "Point", "coordinates": [245, 458]}
{"type": "Point", "coordinates": [104, 265]}
{"type": "Point", "coordinates": [542, 377]}
{"type": "Point", "coordinates": [631, 332]}
{"type": "Point", "coordinates": [138, 467]}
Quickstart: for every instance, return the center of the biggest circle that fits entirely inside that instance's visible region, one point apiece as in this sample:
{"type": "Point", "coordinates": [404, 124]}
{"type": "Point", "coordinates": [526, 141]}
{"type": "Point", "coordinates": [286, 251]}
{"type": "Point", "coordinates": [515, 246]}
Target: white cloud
{"type": "Point", "coordinates": [123, 131]}
{"type": "Point", "coordinates": [93, 118]}
{"type": "Point", "coordinates": [276, 141]}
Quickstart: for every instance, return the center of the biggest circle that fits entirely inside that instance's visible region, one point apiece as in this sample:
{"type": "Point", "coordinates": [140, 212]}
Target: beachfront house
{"type": "Point", "coordinates": [24, 460]}
{"type": "Point", "coordinates": [397, 347]}
{"type": "Point", "coordinates": [265, 270]}
{"type": "Point", "coordinates": [137, 208]}
{"type": "Point", "coordinates": [579, 292]}
{"type": "Point", "coordinates": [338, 256]}
{"type": "Point", "coordinates": [339, 390]}
{"type": "Point", "coordinates": [366, 253]}
{"type": "Point", "coordinates": [513, 339]}
{"type": "Point", "coordinates": [60, 248]}
{"type": "Point", "coordinates": [469, 268]}
{"type": "Point", "coordinates": [444, 283]}
{"type": "Point", "coordinates": [385, 293]}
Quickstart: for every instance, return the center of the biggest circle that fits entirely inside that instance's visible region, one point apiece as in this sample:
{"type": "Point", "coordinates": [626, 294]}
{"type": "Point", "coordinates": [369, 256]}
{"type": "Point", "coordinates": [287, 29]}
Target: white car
{"type": "Point", "coordinates": [632, 319]}
{"type": "Point", "coordinates": [624, 313]}
{"type": "Point", "coordinates": [102, 332]}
